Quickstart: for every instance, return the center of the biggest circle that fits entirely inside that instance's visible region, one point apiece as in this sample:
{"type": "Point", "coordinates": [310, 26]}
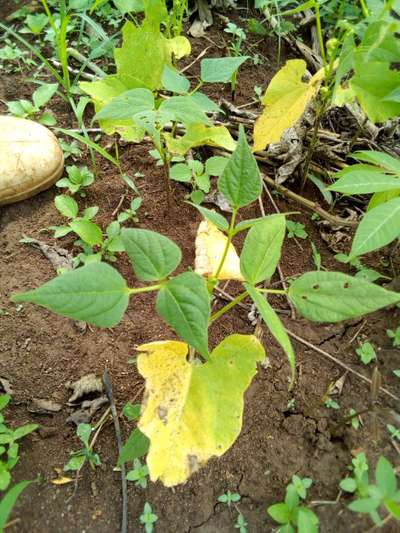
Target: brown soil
{"type": "Point", "coordinates": [41, 352]}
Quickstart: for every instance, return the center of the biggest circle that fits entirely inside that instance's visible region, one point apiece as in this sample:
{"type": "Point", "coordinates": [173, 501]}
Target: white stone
{"type": "Point", "coordinates": [31, 159]}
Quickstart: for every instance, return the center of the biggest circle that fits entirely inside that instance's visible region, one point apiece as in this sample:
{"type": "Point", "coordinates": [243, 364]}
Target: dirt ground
{"type": "Point", "coordinates": [41, 352]}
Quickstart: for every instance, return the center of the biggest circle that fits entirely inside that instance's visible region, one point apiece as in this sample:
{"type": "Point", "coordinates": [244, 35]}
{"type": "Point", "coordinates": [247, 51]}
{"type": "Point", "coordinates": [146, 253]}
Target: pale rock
{"type": "Point", "coordinates": [31, 159]}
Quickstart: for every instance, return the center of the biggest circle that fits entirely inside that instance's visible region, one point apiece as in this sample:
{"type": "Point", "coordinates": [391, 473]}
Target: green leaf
{"type": "Point", "coordinates": [66, 205]}
{"type": "Point", "coordinates": [174, 82]}
{"type": "Point", "coordinates": [364, 505]}
{"type": "Point", "coordinates": [349, 484]}
{"type": "Point", "coordinates": [87, 230]}
{"type": "Point", "coordinates": [333, 296]}
{"type": "Point", "coordinates": [129, 6]}
{"type": "Point", "coordinates": [22, 431]}
{"type": "Point", "coordinates": [44, 93]}
{"type": "Point", "coordinates": [307, 521]}
{"type": "Point", "coordinates": [206, 104]}
{"type": "Point", "coordinates": [372, 84]}
{"type": "Point", "coordinates": [47, 119]}
{"type": "Point", "coordinates": [184, 109]}
{"type": "Point", "coordinates": [75, 462]}
{"type": "Point", "coordinates": [378, 227]}
{"type": "Point", "coordinates": [96, 293]}
{"type": "Point", "coordinates": [274, 324]}
{"type": "Point", "coordinates": [8, 501]}
{"type": "Point", "coordinates": [198, 135]}
{"type": "Point", "coordinates": [385, 477]}
{"type": "Point", "coordinates": [127, 104]}
{"type": "Point", "coordinates": [5, 478]}
{"type": "Point", "coordinates": [279, 512]}
{"type": "Point", "coordinates": [84, 431]}
{"type": "Point", "coordinates": [214, 217]}
{"type": "Point", "coordinates": [220, 69]}
{"type": "Point", "coordinates": [153, 255]}
{"type": "Point", "coordinates": [240, 182]}
{"type": "Point", "coordinates": [380, 159]}
{"type": "Point", "coordinates": [184, 303]}
{"type": "Point", "coordinates": [364, 179]}
{"type": "Point", "coordinates": [4, 401]}
{"type": "Point", "coordinates": [216, 165]}
{"type": "Point", "coordinates": [131, 411]}
{"type": "Point", "coordinates": [136, 446]}
{"type": "Point", "coordinates": [262, 249]}
{"type": "Point", "coordinates": [180, 172]}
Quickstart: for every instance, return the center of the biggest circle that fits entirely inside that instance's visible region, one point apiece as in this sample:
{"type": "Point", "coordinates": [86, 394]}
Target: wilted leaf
{"type": "Point", "coordinates": [198, 135]}
{"type": "Point", "coordinates": [210, 246]}
{"type": "Point", "coordinates": [285, 100]}
{"type": "Point", "coordinates": [193, 412]}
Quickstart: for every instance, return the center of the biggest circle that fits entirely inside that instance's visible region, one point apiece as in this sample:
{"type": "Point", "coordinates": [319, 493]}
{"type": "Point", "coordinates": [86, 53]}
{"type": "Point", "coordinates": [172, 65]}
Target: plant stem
{"type": "Point", "coordinates": [320, 35]}
{"type": "Point", "coordinates": [273, 291]}
{"type": "Point", "coordinates": [228, 243]}
{"type": "Point", "coordinates": [228, 306]}
{"type": "Point", "coordinates": [150, 288]}
{"type": "Point", "coordinates": [364, 8]}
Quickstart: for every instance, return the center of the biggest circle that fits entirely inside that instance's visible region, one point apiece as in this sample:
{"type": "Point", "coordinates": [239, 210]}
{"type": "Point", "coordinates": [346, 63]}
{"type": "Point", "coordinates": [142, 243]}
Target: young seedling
{"type": "Point", "coordinates": [296, 229]}
{"type": "Point", "coordinates": [27, 109]}
{"type": "Point", "coordinates": [241, 524]}
{"type": "Point", "coordinates": [355, 420]}
{"type": "Point", "coordinates": [290, 514]}
{"type": "Point", "coordinates": [78, 458]}
{"type": "Point", "coordinates": [316, 257]}
{"type": "Point", "coordinates": [331, 404]}
{"type": "Point", "coordinates": [394, 432]}
{"type": "Point", "coordinates": [131, 212]}
{"type": "Point", "coordinates": [395, 336]}
{"type": "Point", "coordinates": [229, 498]}
{"type": "Point", "coordinates": [198, 174]}
{"type": "Point", "coordinates": [235, 48]}
{"type": "Point", "coordinates": [138, 474]}
{"type": "Point", "coordinates": [78, 178]}
{"type": "Point", "coordinates": [397, 372]}
{"type": "Point", "coordinates": [366, 352]}
{"type": "Point", "coordinates": [370, 497]}
{"type": "Point", "coordinates": [35, 24]}
{"type": "Point", "coordinates": [70, 149]}
{"type": "Point", "coordinates": [9, 447]}
{"type": "Point", "coordinates": [148, 518]}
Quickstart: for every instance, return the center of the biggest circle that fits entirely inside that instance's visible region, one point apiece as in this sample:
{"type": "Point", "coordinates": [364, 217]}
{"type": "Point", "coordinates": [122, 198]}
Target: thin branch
{"type": "Point", "coordinates": [110, 396]}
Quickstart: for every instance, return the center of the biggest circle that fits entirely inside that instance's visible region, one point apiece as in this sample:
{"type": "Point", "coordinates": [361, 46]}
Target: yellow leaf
{"type": "Point", "coordinates": [193, 411]}
{"type": "Point", "coordinates": [179, 46]}
{"type": "Point", "coordinates": [210, 246]}
{"type": "Point", "coordinates": [198, 135]}
{"type": "Point", "coordinates": [63, 480]}
{"type": "Point", "coordinates": [285, 101]}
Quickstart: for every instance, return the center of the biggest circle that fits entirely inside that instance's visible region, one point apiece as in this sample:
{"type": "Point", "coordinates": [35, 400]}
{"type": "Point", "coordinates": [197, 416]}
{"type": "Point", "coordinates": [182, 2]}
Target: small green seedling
{"type": "Point", "coordinates": [148, 518]}
{"type": "Point", "coordinates": [138, 474]}
{"type": "Point", "coordinates": [394, 432]}
{"type": "Point", "coordinates": [296, 229]}
{"type": "Point", "coordinates": [241, 523]}
{"type": "Point", "coordinates": [27, 109]}
{"type": "Point", "coordinates": [229, 498]}
{"type": "Point", "coordinates": [238, 38]}
{"type": "Point", "coordinates": [331, 404]}
{"type": "Point", "coordinates": [9, 447]}
{"type": "Point", "coordinates": [316, 256]}
{"type": "Point", "coordinates": [198, 175]}
{"type": "Point", "coordinates": [70, 149]}
{"type": "Point", "coordinates": [131, 212]}
{"type": "Point", "coordinates": [370, 497]}
{"type": "Point", "coordinates": [366, 352]}
{"type": "Point", "coordinates": [78, 179]}
{"type": "Point", "coordinates": [290, 514]}
{"type": "Point", "coordinates": [394, 335]}
{"type": "Point", "coordinates": [354, 419]}
{"type": "Point", "coordinates": [35, 23]}
{"type": "Point", "coordinates": [78, 458]}
{"type": "Point", "coordinates": [397, 372]}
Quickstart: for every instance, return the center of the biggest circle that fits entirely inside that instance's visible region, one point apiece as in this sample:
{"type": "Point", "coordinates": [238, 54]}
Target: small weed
{"type": "Point", "coordinates": [27, 109]}
{"type": "Point", "coordinates": [70, 149]}
{"type": "Point", "coordinates": [148, 518]}
{"type": "Point", "coordinates": [397, 372]}
{"type": "Point", "coordinates": [290, 514]}
{"type": "Point", "coordinates": [394, 432]}
{"type": "Point", "coordinates": [394, 335]}
{"type": "Point", "coordinates": [78, 179]}
{"type": "Point", "coordinates": [366, 353]}
{"type": "Point", "coordinates": [331, 404]}
{"type": "Point", "coordinates": [229, 498]}
{"type": "Point", "coordinates": [138, 474]}
{"type": "Point", "coordinates": [296, 229]}
{"type": "Point", "coordinates": [241, 523]}
{"type": "Point", "coordinates": [355, 421]}
{"type": "Point", "coordinates": [78, 458]}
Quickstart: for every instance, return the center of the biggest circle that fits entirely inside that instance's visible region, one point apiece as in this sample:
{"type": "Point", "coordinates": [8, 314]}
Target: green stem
{"type": "Point", "coordinates": [320, 35]}
{"type": "Point", "coordinates": [150, 288]}
{"type": "Point", "coordinates": [364, 8]}
{"type": "Point", "coordinates": [228, 306]}
{"type": "Point", "coordinates": [272, 291]}
{"type": "Point", "coordinates": [228, 242]}
{"type": "Point", "coordinates": [198, 86]}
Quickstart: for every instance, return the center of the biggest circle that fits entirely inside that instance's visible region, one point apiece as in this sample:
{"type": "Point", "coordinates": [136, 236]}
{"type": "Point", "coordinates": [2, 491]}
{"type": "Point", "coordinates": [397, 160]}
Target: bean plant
{"type": "Point", "coordinates": [217, 378]}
